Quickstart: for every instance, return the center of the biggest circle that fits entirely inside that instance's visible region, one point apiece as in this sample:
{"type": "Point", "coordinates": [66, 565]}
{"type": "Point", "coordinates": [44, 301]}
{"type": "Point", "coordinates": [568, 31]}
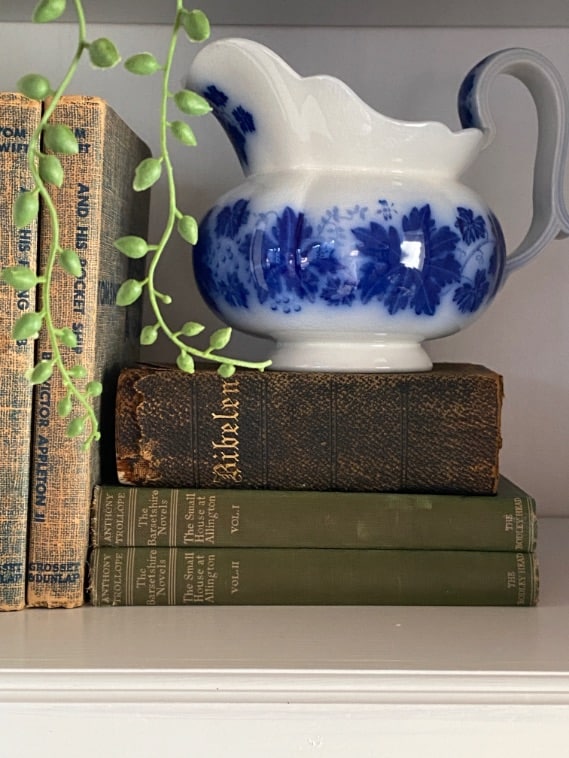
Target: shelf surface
{"type": "Point", "coordinates": [314, 654]}
{"type": "Point", "coordinates": [433, 13]}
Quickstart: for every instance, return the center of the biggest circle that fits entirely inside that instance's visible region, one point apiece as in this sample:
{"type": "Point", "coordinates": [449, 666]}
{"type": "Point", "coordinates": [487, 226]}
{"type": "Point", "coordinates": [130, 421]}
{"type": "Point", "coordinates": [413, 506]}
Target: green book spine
{"type": "Point", "coordinates": [139, 516]}
{"type": "Point", "coordinates": [308, 576]}
{"type": "Point", "coordinates": [19, 117]}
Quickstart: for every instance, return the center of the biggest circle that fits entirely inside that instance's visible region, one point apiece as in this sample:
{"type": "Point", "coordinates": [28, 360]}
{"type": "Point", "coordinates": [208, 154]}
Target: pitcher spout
{"type": "Point", "coordinates": [279, 121]}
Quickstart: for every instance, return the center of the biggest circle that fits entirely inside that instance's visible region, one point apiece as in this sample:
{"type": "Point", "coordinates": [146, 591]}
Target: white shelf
{"type": "Point", "coordinates": [433, 13]}
{"type": "Point", "coordinates": [418, 676]}
{"type": "Point", "coordinates": [377, 682]}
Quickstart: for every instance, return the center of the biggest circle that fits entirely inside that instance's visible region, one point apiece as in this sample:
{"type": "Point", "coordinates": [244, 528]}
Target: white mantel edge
{"type": "Point", "coordinates": [273, 687]}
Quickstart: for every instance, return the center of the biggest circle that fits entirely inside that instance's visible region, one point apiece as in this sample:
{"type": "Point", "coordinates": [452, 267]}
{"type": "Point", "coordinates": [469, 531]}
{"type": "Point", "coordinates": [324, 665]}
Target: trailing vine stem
{"type": "Point", "coordinates": [46, 169]}
{"type": "Point", "coordinates": [44, 368]}
{"type": "Point", "coordinates": [196, 26]}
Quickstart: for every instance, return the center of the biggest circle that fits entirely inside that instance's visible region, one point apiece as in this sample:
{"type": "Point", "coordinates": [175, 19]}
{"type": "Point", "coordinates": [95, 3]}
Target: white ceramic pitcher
{"type": "Point", "coordinates": [351, 239]}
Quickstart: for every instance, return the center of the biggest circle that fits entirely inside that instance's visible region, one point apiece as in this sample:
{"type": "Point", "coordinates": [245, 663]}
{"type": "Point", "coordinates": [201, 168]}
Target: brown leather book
{"type": "Point", "coordinates": [437, 431]}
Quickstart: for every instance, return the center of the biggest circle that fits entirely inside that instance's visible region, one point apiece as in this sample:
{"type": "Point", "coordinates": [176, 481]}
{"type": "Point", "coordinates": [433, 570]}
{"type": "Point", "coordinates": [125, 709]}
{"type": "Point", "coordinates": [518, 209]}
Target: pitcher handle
{"type": "Point", "coordinates": [550, 218]}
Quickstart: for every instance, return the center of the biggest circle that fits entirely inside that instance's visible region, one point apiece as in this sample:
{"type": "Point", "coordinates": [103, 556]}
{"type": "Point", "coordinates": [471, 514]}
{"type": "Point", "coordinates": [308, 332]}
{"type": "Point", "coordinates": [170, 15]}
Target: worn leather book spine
{"type": "Point", "coordinates": [435, 431]}
{"type": "Point", "coordinates": [96, 205]}
{"type": "Point", "coordinates": [145, 516]}
{"type": "Point", "coordinates": [19, 117]}
{"type": "Point", "coordinates": [296, 576]}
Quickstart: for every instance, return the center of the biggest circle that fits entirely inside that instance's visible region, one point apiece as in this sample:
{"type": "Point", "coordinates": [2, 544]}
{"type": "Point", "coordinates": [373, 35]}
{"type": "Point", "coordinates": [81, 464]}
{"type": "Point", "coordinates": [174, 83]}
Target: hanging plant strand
{"type": "Point", "coordinates": [195, 25]}
{"type": "Point", "coordinates": [46, 169]}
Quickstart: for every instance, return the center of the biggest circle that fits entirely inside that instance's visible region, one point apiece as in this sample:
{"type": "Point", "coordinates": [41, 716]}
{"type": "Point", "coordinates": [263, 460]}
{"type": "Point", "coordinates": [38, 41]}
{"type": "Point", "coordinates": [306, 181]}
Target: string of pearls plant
{"type": "Point", "coordinates": [50, 139]}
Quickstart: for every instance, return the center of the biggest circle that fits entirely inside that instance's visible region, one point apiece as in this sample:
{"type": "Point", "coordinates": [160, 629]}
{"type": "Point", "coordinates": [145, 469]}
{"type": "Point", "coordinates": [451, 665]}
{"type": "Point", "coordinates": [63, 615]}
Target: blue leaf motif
{"type": "Point", "coordinates": [419, 225]}
{"type": "Point", "coordinates": [236, 121]}
{"type": "Point", "coordinates": [282, 257]}
{"type": "Point", "coordinates": [402, 288]}
{"type": "Point", "coordinates": [291, 260]}
{"type": "Point", "coordinates": [440, 266]}
{"type": "Point", "coordinates": [471, 228]}
{"type": "Point", "coordinates": [381, 244]}
{"type": "Point", "coordinates": [408, 271]}
{"type": "Point", "coordinates": [469, 296]}
{"type": "Point", "coordinates": [437, 273]}
{"type": "Point", "coordinates": [215, 97]}
{"type": "Point", "coordinates": [290, 231]}
{"type": "Point", "coordinates": [321, 257]}
{"type": "Point", "coordinates": [383, 247]}
{"type": "Point", "coordinates": [231, 218]}
{"type": "Point", "coordinates": [233, 291]}
{"type": "Point", "coordinates": [244, 119]}
{"type": "Point", "coordinates": [419, 220]}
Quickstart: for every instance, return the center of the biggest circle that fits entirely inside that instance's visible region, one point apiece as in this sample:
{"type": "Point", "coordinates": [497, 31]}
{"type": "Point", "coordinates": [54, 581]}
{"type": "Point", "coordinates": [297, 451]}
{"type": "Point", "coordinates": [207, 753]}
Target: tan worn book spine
{"type": "Point", "coordinates": [96, 205]}
{"type": "Point", "coordinates": [434, 431]}
{"type": "Point", "coordinates": [19, 117]}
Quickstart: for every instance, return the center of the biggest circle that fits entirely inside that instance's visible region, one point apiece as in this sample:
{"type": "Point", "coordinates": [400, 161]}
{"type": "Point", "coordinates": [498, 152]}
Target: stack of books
{"type": "Point", "coordinates": [286, 487]}
{"type": "Point", "coordinates": [274, 487]}
{"type": "Point", "coordinates": [46, 478]}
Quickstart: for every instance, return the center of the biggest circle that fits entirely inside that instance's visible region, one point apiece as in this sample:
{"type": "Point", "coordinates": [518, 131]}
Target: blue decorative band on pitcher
{"type": "Point", "coordinates": [406, 261]}
{"type": "Point", "coordinates": [237, 122]}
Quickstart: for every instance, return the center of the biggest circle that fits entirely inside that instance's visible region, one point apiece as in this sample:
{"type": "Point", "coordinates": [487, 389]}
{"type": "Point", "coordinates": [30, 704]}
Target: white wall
{"type": "Point", "coordinates": [406, 73]}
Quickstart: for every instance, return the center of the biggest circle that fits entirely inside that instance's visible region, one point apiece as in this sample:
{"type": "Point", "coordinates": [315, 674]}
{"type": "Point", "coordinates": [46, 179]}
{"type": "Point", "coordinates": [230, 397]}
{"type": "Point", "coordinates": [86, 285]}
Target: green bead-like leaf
{"type": "Point", "coordinates": [220, 338]}
{"type": "Point", "coordinates": [70, 262]}
{"type": "Point", "coordinates": [226, 370]}
{"type": "Point", "coordinates": [19, 277]}
{"type": "Point", "coordinates": [147, 173]}
{"type": "Point", "coordinates": [64, 407]}
{"type": "Point", "coordinates": [142, 64]}
{"type": "Point", "coordinates": [191, 103]}
{"type": "Point", "coordinates": [191, 329]}
{"type": "Point", "coordinates": [77, 372]}
{"type": "Point", "coordinates": [129, 292]}
{"type": "Point", "coordinates": [35, 86]}
{"type": "Point", "coordinates": [48, 10]}
{"type": "Point", "coordinates": [51, 170]}
{"type": "Point", "coordinates": [148, 335]}
{"type": "Point", "coordinates": [103, 53]}
{"type": "Point", "coordinates": [67, 337]}
{"type": "Point", "coordinates": [75, 427]}
{"type": "Point", "coordinates": [185, 362]}
{"type": "Point", "coordinates": [196, 25]}
{"type": "Point", "coordinates": [27, 326]}
{"type": "Point", "coordinates": [183, 132]}
{"type": "Point", "coordinates": [94, 389]}
{"type": "Point", "coordinates": [41, 373]}
{"type": "Point", "coordinates": [26, 208]}
{"type": "Point", "coordinates": [188, 229]}
{"type": "Point", "coordinates": [60, 139]}
{"type": "Point", "coordinates": [132, 246]}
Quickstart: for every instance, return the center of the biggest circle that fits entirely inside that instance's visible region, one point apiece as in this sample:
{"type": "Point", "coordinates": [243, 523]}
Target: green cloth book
{"type": "Point", "coordinates": [310, 576]}
{"type": "Point", "coordinates": [159, 517]}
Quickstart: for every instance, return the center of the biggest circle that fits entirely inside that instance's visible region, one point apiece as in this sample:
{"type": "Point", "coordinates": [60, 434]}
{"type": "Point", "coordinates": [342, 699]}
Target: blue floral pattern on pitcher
{"type": "Point", "coordinates": [407, 262]}
{"type": "Point", "coordinates": [237, 122]}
